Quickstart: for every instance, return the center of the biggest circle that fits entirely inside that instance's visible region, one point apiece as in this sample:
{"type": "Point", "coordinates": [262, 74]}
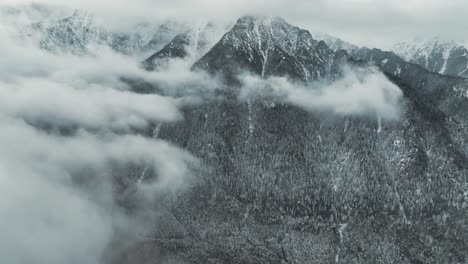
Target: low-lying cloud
{"type": "Point", "coordinates": [361, 92]}
{"type": "Point", "coordinates": [46, 216]}
{"type": "Point", "coordinates": [70, 90]}
{"type": "Point", "coordinates": [39, 101]}
{"type": "Point", "coordinates": [58, 189]}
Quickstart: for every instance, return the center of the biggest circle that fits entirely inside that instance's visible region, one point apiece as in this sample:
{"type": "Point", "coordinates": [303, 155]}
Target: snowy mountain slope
{"type": "Point", "coordinates": [193, 43]}
{"type": "Point", "coordinates": [74, 31]}
{"type": "Point", "coordinates": [278, 177]}
{"type": "Point", "coordinates": [339, 185]}
{"type": "Point", "coordinates": [164, 33]}
{"type": "Point", "coordinates": [446, 92]}
{"type": "Point", "coordinates": [336, 43]}
{"type": "Point", "coordinates": [270, 46]}
{"type": "Point", "coordinates": [436, 55]}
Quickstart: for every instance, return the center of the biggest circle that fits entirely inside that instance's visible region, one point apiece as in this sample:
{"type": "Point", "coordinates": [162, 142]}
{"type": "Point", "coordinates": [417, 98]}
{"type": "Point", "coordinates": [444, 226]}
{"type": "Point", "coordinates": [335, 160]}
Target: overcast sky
{"type": "Point", "coordinates": [368, 22]}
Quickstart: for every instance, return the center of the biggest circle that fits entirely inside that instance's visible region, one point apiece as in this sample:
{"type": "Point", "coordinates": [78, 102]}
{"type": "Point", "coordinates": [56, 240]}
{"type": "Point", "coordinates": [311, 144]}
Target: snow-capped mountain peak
{"type": "Point", "coordinates": [436, 54]}
{"type": "Point", "coordinates": [73, 31]}
{"type": "Point", "coordinates": [269, 46]}
{"type": "Point", "coordinates": [259, 32]}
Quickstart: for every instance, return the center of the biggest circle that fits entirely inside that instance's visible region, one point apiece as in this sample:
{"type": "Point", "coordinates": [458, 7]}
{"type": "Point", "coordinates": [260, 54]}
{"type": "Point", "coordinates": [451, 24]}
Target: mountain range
{"type": "Point", "coordinates": [279, 183]}
{"type": "Point", "coordinates": [284, 185]}
{"type": "Point", "coordinates": [79, 30]}
{"type": "Point", "coordinates": [436, 55]}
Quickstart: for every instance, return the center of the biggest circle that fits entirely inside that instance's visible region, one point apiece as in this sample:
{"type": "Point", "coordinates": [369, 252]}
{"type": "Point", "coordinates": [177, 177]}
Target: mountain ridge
{"type": "Point", "coordinates": [437, 55]}
{"type": "Point", "coordinates": [269, 46]}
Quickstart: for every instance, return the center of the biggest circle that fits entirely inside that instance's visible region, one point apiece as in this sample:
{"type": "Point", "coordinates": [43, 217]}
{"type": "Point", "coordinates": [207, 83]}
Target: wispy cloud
{"type": "Point", "coordinates": [362, 92]}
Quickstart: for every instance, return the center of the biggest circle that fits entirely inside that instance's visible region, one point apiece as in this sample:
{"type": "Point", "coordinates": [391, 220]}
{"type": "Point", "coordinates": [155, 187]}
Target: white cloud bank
{"type": "Point", "coordinates": [58, 202]}
{"type": "Point", "coordinates": [361, 92]}
{"type": "Point", "coordinates": [45, 215]}
{"type": "Point", "coordinates": [39, 101]}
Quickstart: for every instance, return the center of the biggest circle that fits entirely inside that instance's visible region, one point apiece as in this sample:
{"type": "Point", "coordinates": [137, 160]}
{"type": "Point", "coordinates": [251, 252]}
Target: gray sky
{"type": "Point", "coordinates": [367, 22]}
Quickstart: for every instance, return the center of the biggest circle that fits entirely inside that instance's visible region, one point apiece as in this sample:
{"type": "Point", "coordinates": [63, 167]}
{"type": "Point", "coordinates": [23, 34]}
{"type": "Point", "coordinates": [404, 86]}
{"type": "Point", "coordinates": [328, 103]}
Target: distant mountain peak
{"type": "Point", "coordinates": [335, 43]}
{"type": "Point", "coordinates": [260, 18]}
{"type": "Point", "coordinates": [193, 42]}
{"type": "Point", "coordinates": [254, 28]}
{"type": "Point", "coordinates": [436, 54]}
